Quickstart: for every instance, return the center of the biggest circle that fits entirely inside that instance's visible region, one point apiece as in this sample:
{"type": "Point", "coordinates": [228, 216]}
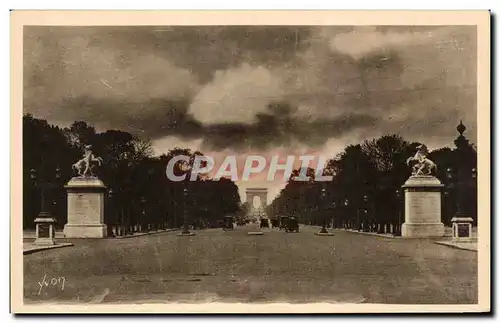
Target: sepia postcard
{"type": "Point", "coordinates": [250, 162]}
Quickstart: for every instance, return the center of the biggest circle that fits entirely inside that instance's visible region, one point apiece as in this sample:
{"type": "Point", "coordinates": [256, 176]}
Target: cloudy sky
{"type": "Point", "coordinates": [256, 90]}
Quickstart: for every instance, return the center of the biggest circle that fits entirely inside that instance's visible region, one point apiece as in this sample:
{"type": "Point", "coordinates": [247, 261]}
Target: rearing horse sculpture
{"type": "Point", "coordinates": [85, 165]}
{"type": "Point", "coordinates": [422, 166]}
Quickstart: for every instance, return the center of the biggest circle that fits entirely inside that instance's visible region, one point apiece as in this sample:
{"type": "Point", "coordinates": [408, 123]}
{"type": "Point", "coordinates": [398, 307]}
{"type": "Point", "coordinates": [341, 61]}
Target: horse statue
{"type": "Point", "coordinates": [85, 166]}
{"type": "Point", "coordinates": [421, 165]}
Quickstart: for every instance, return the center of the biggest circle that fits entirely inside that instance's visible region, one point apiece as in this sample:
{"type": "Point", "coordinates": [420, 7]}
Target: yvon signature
{"type": "Point", "coordinates": [54, 282]}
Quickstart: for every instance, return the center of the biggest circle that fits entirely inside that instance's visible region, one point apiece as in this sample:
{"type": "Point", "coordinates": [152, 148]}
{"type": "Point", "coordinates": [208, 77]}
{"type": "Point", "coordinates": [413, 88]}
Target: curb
{"type": "Point", "coordinates": [387, 236]}
{"type": "Point", "coordinates": [141, 234]}
{"type": "Point", "coordinates": [43, 248]}
{"type": "Point", "coordinates": [447, 244]}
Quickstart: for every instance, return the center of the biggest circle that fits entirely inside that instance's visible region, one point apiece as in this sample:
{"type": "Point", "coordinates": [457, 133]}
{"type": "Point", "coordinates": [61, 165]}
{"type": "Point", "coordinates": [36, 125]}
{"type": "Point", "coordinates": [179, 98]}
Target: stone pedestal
{"type": "Point", "coordinates": [422, 208]}
{"type": "Point", "coordinates": [85, 208]}
{"type": "Point", "coordinates": [45, 232]}
{"type": "Point", "coordinates": [461, 229]}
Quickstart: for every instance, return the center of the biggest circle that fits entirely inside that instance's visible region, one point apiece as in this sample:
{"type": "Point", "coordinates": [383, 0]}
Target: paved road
{"type": "Point", "coordinates": [217, 265]}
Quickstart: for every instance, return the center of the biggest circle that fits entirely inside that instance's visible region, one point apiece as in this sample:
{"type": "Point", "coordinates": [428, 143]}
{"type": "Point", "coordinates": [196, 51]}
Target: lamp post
{"type": "Point", "coordinates": [323, 197]}
{"type": "Point", "coordinates": [474, 189]}
{"type": "Point", "coordinates": [398, 200]}
{"type": "Point", "coordinates": [359, 225]}
{"type": "Point", "coordinates": [449, 194]}
{"type": "Point", "coordinates": [144, 221]}
{"type": "Point", "coordinates": [365, 213]}
{"type": "Point", "coordinates": [346, 205]}
{"type": "Point", "coordinates": [185, 225]}
{"type": "Point", "coordinates": [45, 231]}
{"type": "Point", "coordinates": [111, 223]}
{"type": "Point", "coordinates": [334, 220]}
{"type": "Point", "coordinates": [460, 188]}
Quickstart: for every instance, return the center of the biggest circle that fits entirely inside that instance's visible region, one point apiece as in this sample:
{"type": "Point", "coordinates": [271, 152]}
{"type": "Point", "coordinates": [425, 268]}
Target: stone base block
{"type": "Point", "coordinates": [255, 233]}
{"type": "Point", "coordinates": [422, 230]}
{"type": "Point", "coordinates": [44, 242]}
{"type": "Point", "coordinates": [85, 230]}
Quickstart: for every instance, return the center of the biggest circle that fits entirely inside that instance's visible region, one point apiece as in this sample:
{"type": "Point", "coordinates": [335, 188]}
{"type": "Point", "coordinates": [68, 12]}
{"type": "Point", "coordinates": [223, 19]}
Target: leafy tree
{"type": "Point", "coordinates": [80, 134]}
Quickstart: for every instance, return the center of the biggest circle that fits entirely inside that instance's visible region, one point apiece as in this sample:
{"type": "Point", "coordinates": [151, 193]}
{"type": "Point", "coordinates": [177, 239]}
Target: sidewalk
{"type": "Point", "coordinates": [31, 235]}
{"type": "Point", "coordinates": [383, 235]}
{"type": "Point", "coordinates": [142, 234]}
{"type": "Point", "coordinates": [31, 248]}
{"type": "Point", "coordinates": [470, 246]}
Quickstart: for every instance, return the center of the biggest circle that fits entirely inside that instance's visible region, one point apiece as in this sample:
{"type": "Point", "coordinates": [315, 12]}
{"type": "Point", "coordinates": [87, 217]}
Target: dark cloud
{"type": "Point", "coordinates": [219, 84]}
{"type": "Point", "coordinates": [160, 118]}
{"type": "Point", "coordinates": [280, 127]}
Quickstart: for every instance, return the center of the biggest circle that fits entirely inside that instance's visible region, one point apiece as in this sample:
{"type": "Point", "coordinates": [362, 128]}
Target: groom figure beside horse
{"type": "Point", "coordinates": [85, 165]}
{"type": "Point", "coordinates": [422, 166]}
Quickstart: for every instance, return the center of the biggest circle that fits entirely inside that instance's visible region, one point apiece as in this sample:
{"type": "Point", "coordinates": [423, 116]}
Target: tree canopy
{"type": "Point", "coordinates": [135, 178]}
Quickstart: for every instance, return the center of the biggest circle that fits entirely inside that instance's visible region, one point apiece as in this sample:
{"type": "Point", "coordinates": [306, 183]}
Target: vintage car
{"type": "Point", "coordinates": [264, 223]}
{"type": "Point", "coordinates": [228, 223]}
{"type": "Point", "coordinates": [282, 222]}
{"type": "Point", "coordinates": [292, 225]}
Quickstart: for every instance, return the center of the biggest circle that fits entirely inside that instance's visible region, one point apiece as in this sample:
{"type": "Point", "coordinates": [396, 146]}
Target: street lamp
{"type": "Point", "coordinates": [358, 217]}
{"type": "Point", "coordinates": [346, 204]}
{"type": "Point", "coordinates": [460, 188]}
{"type": "Point", "coordinates": [144, 220]}
{"type": "Point", "coordinates": [185, 226]}
{"type": "Point", "coordinates": [448, 194]}
{"type": "Point", "coordinates": [449, 174]}
{"type": "Point", "coordinates": [365, 213]}
{"type": "Point", "coordinates": [334, 207]}
{"type": "Point", "coordinates": [112, 229]}
{"type": "Point", "coordinates": [45, 231]}
{"type": "Point", "coordinates": [323, 196]}
{"type": "Point", "coordinates": [398, 197]}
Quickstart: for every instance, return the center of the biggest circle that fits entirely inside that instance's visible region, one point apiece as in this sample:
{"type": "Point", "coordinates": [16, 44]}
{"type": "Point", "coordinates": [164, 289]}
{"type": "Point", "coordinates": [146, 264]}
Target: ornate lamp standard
{"type": "Point", "coordinates": [144, 220]}
{"type": "Point", "coordinates": [323, 212]}
{"type": "Point", "coordinates": [112, 229]}
{"type": "Point", "coordinates": [463, 174]}
{"type": "Point", "coordinates": [448, 194]}
{"type": "Point", "coordinates": [359, 222]}
{"type": "Point", "coordinates": [323, 197]}
{"type": "Point", "coordinates": [462, 222]}
{"type": "Point", "coordinates": [334, 219]}
{"type": "Point", "coordinates": [460, 189]}
{"type": "Point", "coordinates": [365, 213]}
{"type": "Point", "coordinates": [346, 217]}
{"type": "Point", "coordinates": [398, 200]}
{"type": "Point", "coordinates": [45, 231]}
{"type": "Point", "coordinates": [185, 225]}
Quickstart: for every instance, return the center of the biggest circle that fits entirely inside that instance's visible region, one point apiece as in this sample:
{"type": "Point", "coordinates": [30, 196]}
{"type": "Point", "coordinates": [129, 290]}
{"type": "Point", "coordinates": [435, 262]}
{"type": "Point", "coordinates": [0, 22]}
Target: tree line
{"type": "Point", "coordinates": [139, 197]}
{"type": "Point", "coordinates": [365, 190]}
{"type": "Point", "coordinates": [366, 187]}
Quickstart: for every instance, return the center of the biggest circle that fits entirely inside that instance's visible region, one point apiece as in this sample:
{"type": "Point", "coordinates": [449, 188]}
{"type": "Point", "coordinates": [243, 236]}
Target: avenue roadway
{"type": "Point", "coordinates": [232, 266]}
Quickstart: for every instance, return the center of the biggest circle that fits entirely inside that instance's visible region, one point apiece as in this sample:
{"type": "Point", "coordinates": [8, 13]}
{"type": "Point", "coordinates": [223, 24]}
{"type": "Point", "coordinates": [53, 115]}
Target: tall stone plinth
{"type": "Point", "coordinates": [422, 208]}
{"type": "Point", "coordinates": [85, 208]}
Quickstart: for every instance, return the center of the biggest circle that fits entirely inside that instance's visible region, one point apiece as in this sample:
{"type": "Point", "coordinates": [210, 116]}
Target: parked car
{"type": "Point", "coordinates": [264, 223]}
{"type": "Point", "coordinates": [228, 223]}
{"type": "Point", "coordinates": [292, 225]}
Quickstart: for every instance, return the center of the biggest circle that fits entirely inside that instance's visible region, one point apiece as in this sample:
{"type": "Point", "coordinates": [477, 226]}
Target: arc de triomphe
{"type": "Point", "coordinates": [261, 193]}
